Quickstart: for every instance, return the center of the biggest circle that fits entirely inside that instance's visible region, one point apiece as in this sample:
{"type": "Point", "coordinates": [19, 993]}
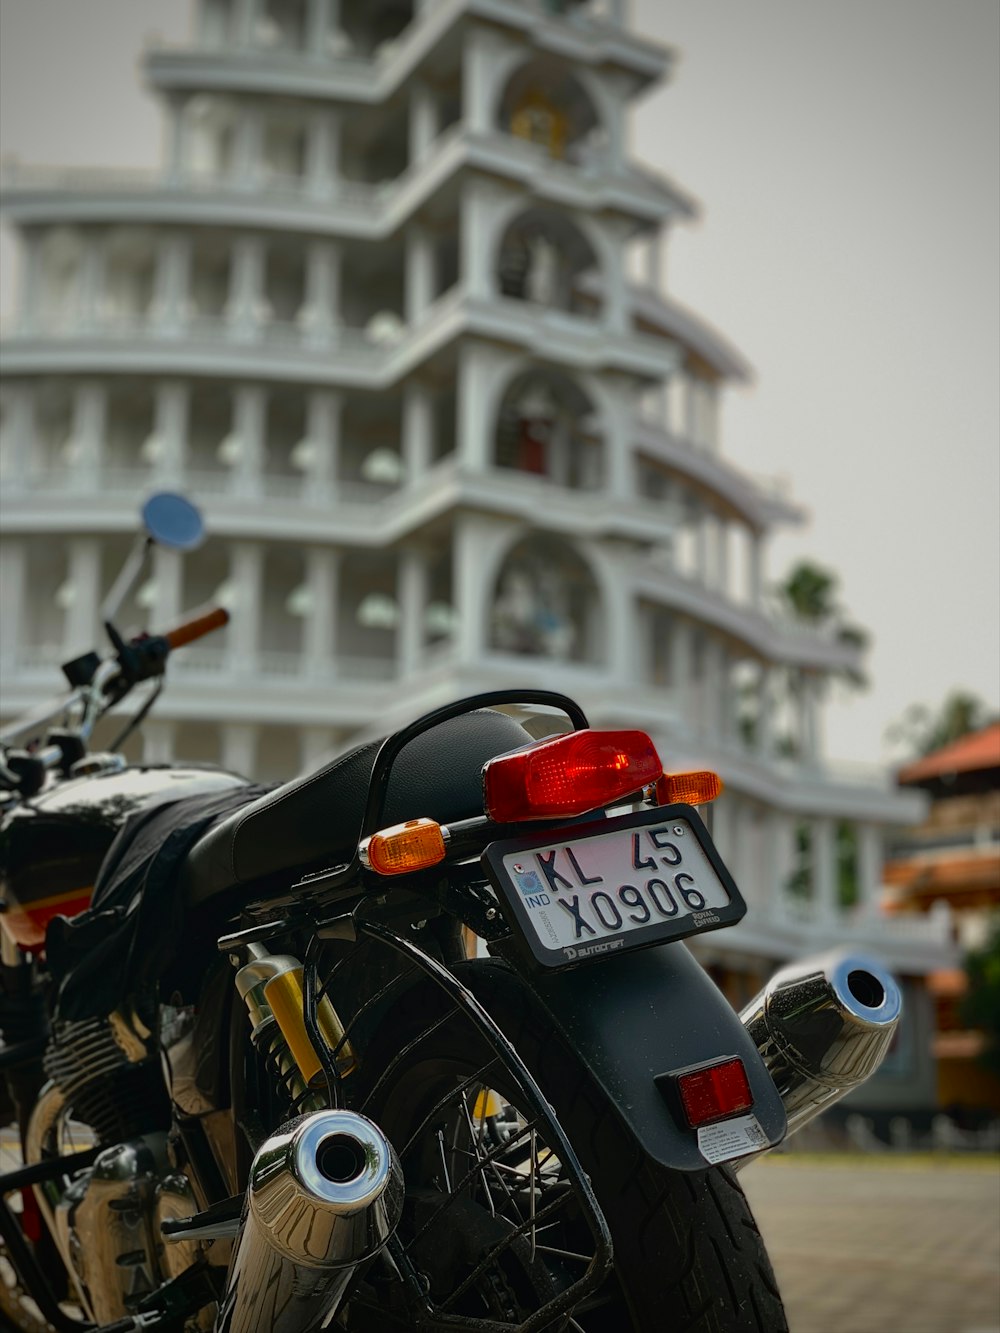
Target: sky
{"type": "Point", "coordinates": [846, 160]}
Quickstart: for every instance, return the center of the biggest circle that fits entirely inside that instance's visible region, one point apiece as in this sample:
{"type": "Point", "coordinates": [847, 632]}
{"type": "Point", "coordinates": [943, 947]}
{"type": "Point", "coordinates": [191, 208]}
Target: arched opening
{"type": "Point", "coordinates": [547, 426]}
{"type": "Point", "coordinates": [543, 256]}
{"type": "Point", "coordinates": [546, 603]}
{"type": "Point", "coordinates": [545, 103]}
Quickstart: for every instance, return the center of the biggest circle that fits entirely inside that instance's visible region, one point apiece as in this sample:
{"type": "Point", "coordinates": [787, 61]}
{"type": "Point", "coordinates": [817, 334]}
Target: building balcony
{"type": "Point", "coordinates": [370, 77]}
{"type": "Point", "coordinates": [285, 505]}
{"type": "Point", "coordinates": [785, 928]}
{"type": "Point", "coordinates": [336, 356]}
{"type": "Point", "coordinates": [771, 636]}
{"type": "Point", "coordinates": [336, 207]}
{"type": "Point", "coordinates": [757, 501]}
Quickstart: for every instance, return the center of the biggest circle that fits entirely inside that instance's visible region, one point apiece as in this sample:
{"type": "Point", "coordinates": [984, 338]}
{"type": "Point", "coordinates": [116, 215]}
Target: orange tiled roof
{"type": "Point", "coordinates": [948, 872]}
{"type": "Point", "coordinates": [980, 749]}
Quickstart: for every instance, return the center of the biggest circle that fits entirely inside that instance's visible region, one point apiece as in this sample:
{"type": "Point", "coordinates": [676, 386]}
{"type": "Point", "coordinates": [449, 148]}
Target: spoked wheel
{"type": "Point", "coordinates": [494, 1229]}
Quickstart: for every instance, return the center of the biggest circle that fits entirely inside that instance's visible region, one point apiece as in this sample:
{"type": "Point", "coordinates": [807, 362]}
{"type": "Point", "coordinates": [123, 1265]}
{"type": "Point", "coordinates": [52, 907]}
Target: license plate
{"type": "Point", "coordinates": [599, 888]}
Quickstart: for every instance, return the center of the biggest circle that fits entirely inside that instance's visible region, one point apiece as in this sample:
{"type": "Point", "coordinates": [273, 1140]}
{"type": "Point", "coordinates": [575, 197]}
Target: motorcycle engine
{"type": "Point", "coordinates": [107, 1091]}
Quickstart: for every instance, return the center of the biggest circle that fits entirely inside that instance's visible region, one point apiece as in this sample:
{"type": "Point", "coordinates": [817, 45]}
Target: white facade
{"type": "Point", "coordinates": [374, 315]}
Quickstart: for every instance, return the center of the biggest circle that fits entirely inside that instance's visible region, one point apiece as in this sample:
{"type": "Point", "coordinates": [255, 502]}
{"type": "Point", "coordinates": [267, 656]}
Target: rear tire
{"type": "Point", "coordinates": [688, 1255]}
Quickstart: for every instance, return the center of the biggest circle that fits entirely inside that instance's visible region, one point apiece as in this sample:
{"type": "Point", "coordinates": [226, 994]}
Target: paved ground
{"type": "Point", "coordinates": [863, 1247]}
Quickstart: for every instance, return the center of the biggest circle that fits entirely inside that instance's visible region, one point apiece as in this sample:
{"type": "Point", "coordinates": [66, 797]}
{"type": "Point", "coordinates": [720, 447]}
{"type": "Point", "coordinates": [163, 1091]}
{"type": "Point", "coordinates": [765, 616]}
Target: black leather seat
{"type": "Point", "coordinates": [313, 822]}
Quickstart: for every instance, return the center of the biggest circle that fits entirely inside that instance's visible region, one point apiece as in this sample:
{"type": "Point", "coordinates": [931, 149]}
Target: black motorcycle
{"type": "Point", "coordinates": [410, 1043]}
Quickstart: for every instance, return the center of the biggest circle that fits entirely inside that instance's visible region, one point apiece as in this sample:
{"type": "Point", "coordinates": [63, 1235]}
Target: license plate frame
{"type": "Point", "coordinates": [521, 908]}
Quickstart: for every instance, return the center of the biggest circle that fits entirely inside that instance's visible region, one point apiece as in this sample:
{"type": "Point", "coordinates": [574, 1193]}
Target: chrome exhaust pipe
{"type": "Point", "coordinates": [325, 1193]}
{"type": "Point", "coordinates": [822, 1027]}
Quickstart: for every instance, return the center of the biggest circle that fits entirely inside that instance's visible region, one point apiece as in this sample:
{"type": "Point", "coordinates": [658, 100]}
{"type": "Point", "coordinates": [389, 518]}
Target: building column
{"type": "Point", "coordinates": [90, 408]}
{"type": "Point", "coordinates": [30, 281]}
{"type": "Point", "coordinates": [824, 854]}
{"type": "Point", "coordinates": [618, 95]}
{"type": "Point", "coordinates": [317, 26]}
{"type": "Point", "coordinates": [84, 576]}
{"type": "Point", "coordinates": [171, 284]}
{"type": "Point", "coordinates": [411, 594]}
{"type": "Point", "coordinates": [20, 444]}
{"type": "Point", "coordinates": [246, 574]}
{"type": "Point", "coordinates": [711, 691]}
{"type": "Point", "coordinates": [323, 153]}
{"type": "Point", "coordinates": [681, 658]}
{"type": "Point", "coordinates": [689, 423]}
{"type": "Point", "coordinates": [477, 81]}
{"type": "Point", "coordinates": [248, 147]}
{"type": "Point", "coordinates": [168, 582]}
{"type": "Point", "coordinates": [242, 17]}
{"type": "Point", "coordinates": [618, 470]}
{"type": "Point", "coordinates": [620, 625]}
{"type": "Point", "coordinates": [422, 121]}
{"type": "Point", "coordinates": [616, 311]}
{"type": "Point", "coordinates": [246, 287]}
{"type": "Point", "coordinates": [13, 588]}
{"type": "Point", "coordinates": [475, 244]}
{"type": "Point", "coordinates": [319, 649]}
{"type": "Point", "coordinates": [729, 702]}
{"type": "Point", "coordinates": [722, 556]}
{"type": "Point", "coordinates": [321, 473]}
{"type": "Point", "coordinates": [725, 825]}
{"type": "Point", "coordinates": [755, 568]}
{"type": "Point", "coordinates": [809, 722]}
{"type": "Point", "coordinates": [177, 138]}
{"type": "Point", "coordinates": [158, 741]}
{"type": "Point", "coordinates": [654, 260]}
{"type": "Point", "coordinates": [239, 748]}
{"type": "Point", "coordinates": [417, 430]}
{"type": "Point", "coordinates": [419, 273]}
{"type": "Point", "coordinates": [775, 865]}
{"type": "Point", "coordinates": [473, 435]}
{"type": "Point", "coordinates": [764, 729]}
{"type": "Point", "coordinates": [249, 411]}
{"type": "Point", "coordinates": [469, 596]}
{"type": "Point", "coordinates": [170, 428]}
{"type": "Point", "coordinates": [93, 271]}
{"type": "Point", "coordinates": [320, 312]}
{"type": "Point", "coordinates": [701, 521]}
{"type": "Point", "coordinates": [871, 859]}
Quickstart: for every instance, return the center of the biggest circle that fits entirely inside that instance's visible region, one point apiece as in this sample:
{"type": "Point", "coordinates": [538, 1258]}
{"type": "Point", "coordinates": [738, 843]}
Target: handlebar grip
{"type": "Point", "coordinates": [197, 627]}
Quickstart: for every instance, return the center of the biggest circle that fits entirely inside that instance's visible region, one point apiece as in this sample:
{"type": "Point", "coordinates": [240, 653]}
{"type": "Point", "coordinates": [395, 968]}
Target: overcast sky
{"type": "Point", "coordinates": [845, 156]}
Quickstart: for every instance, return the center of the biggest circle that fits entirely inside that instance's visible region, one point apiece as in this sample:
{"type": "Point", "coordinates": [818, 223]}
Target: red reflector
{"type": "Point", "coordinates": [569, 775]}
{"type": "Point", "coordinates": [715, 1093]}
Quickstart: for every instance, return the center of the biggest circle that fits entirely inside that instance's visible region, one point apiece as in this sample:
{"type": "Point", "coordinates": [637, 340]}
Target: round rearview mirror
{"type": "Point", "coordinates": [170, 520]}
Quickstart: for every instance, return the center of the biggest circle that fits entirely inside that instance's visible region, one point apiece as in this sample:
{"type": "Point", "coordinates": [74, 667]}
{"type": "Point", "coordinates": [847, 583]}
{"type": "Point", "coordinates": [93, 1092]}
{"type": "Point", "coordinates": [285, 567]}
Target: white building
{"type": "Point", "coordinates": [374, 314]}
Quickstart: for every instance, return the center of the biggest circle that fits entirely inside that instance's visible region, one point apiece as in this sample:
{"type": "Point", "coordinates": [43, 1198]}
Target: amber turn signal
{"type": "Point", "coordinates": [691, 788]}
{"type": "Point", "coordinates": [415, 845]}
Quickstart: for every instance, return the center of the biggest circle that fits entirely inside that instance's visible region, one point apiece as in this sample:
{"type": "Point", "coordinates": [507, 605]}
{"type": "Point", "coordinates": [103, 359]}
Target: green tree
{"type": "Point", "coordinates": [922, 730]}
{"type": "Point", "coordinates": [810, 592]}
{"type": "Point", "coordinates": [981, 1006]}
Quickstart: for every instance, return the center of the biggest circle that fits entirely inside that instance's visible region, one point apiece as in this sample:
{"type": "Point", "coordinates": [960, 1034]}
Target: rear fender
{"type": "Point", "coordinates": [632, 1017]}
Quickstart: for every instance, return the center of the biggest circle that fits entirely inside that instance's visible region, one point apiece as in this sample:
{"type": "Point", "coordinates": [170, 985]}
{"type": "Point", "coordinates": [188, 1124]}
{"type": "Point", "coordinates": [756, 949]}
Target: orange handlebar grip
{"type": "Point", "coordinates": [197, 627]}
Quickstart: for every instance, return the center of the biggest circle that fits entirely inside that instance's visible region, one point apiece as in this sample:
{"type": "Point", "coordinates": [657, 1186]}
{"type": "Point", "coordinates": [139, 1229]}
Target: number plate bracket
{"type": "Point", "coordinates": [580, 892]}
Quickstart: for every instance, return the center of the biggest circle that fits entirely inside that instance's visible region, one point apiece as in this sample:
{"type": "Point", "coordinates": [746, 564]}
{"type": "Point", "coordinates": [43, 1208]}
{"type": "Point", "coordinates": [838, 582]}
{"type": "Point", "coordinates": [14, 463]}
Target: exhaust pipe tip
{"type": "Point", "coordinates": [822, 1027]}
{"type": "Point", "coordinates": [866, 989]}
{"type": "Point", "coordinates": [327, 1189]}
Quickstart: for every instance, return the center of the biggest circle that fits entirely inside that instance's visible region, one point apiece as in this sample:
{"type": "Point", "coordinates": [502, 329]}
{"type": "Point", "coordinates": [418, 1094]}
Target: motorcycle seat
{"type": "Point", "coordinates": [313, 822]}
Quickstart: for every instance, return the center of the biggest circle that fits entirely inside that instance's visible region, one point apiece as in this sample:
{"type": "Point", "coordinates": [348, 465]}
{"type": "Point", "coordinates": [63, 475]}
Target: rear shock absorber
{"type": "Point", "coordinates": [272, 989]}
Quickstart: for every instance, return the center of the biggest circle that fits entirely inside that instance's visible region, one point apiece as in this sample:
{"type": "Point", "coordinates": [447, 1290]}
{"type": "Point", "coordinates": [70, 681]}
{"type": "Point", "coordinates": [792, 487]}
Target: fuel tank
{"type": "Point", "coordinates": [51, 847]}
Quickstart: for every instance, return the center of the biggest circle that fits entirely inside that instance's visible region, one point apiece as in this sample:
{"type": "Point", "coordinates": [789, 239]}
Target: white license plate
{"type": "Point", "coordinates": [597, 889]}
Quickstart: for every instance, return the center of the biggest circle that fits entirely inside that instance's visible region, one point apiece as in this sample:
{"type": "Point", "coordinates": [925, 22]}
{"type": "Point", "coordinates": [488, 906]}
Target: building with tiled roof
{"type": "Point", "coordinates": [950, 864]}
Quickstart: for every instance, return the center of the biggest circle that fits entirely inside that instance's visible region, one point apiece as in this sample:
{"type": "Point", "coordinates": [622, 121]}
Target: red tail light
{"type": "Point", "coordinates": [569, 775]}
{"type": "Point", "coordinates": [715, 1093]}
